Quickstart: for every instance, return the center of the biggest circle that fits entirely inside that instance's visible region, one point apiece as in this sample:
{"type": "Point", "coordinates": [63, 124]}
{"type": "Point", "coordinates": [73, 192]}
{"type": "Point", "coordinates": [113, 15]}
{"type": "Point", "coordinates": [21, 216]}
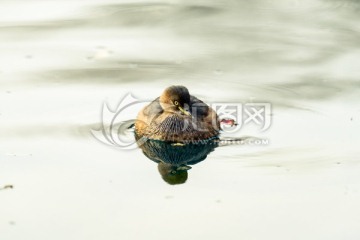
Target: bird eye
{"type": "Point", "coordinates": [176, 103]}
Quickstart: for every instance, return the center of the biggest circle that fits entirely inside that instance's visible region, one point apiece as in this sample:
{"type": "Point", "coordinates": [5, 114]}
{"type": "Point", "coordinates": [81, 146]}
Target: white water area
{"type": "Point", "coordinates": [61, 60]}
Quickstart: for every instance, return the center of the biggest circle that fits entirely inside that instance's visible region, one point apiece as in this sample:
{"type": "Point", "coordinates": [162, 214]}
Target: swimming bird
{"type": "Point", "coordinates": [177, 116]}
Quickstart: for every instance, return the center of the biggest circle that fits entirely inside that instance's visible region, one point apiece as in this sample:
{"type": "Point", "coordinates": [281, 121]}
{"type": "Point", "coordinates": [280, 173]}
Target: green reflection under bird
{"type": "Point", "coordinates": [174, 159]}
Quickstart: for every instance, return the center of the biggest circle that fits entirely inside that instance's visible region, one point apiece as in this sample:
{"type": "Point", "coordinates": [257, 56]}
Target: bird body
{"type": "Point", "coordinates": [177, 116]}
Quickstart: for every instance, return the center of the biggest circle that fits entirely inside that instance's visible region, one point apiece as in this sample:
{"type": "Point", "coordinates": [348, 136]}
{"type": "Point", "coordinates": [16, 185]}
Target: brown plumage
{"type": "Point", "coordinates": [177, 116]}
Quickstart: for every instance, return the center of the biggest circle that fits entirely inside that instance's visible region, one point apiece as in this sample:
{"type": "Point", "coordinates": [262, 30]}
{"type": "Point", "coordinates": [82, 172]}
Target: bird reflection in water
{"type": "Point", "coordinates": [174, 159]}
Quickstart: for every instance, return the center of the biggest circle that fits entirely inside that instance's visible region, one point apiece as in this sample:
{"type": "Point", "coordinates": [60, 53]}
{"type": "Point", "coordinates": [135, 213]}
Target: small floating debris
{"type": "Point", "coordinates": [19, 154]}
{"type": "Point", "coordinates": [101, 52]}
{"type": "Point", "coordinates": [9, 186]}
{"type": "Point", "coordinates": [228, 121]}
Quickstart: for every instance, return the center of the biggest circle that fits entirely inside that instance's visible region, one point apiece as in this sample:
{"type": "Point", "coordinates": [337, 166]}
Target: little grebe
{"type": "Point", "coordinates": [177, 116]}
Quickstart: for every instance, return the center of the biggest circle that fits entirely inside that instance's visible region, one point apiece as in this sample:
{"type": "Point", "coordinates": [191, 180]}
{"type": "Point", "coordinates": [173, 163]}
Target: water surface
{"type": "Point", "coordinates": [60, 61]}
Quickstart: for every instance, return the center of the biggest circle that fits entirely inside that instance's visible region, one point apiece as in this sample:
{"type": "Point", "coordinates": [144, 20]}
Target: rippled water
{"type": "Point", "coordinates": [60, 61]}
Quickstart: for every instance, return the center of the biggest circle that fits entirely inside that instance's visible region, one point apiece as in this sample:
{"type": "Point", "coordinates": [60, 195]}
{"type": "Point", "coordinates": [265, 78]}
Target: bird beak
{"type": "Point", "coordinates": [184, 111]}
